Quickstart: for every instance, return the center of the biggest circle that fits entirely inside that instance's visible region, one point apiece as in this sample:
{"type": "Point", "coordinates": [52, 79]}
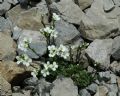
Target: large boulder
{"type": "Point", "coordinates": [7, 47]}
{"type": "Point", "coordinates": [64, 87]}
{"type": "Point", "coordinates": [38, 44]}
{"type": "Point", "coordinates": [14, 73]}
{"type": "Point", "coordinates": [100, 51]}
{"type": "Point", "coordinates": [67, 33]}
{"type": "Point", "coordinates": [69, 11]}
{"type": "Point", "coordinates": [99, 24]}
{"type": "Point", "coordinates": [84, 3]}
{"type": "Point", "coordinates": [13, 13]}
{"type": "Point", "coordinates": [28, 19]}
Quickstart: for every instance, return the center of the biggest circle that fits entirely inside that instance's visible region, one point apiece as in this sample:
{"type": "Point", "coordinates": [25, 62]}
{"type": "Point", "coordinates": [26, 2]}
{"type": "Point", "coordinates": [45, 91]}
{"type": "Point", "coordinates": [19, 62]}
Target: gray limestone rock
{"type": "Point", "coordinates": [64, 87]}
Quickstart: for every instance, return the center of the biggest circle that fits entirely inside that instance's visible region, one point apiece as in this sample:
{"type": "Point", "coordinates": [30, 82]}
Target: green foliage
{"type": "Point", "coordinates": [80, 77]}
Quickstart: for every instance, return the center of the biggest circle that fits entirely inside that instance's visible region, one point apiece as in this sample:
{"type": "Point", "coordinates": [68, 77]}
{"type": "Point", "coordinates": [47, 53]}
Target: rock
{"type": "Point", "coordinates": [112, 87]}
{"type": "Point", "coordinates": [31, 81]}
{"type": "Point", "coordinates": [13, 13]}
{"type": "Point", "coordinates": [100, 51]}
{"type": "Point", "coordinates": [5, 87]}
{"type": "Point", "coordinates": [0, 1]}
{"type": "Point", "coordinates": [84, 92]}
{"type": "Point", "coordinates": [108, 5]}
{"type": "Point", "coordinates": [116, 48]}
{"type": "Point", "coordinates": [4, 6]}
{"type": "Point", "coordinates": [5, 25]}
{"type": "Point", "coordinates": [7, 47]}
{"type": "Point", "coordinates": [97, 82]}
{"type": "Point", "coordinates": [14, 2]}
{"type": "Point", "coordinates": [16, 32]}
{"type": "Point", "coordinates": [42, 6]}
{"type": "Point", "coordinates": [102, 91]}
{"type": "Point", "coordinates": [69, 11]}
{"type": "Point", "coordinates": [116, 2]}
{"type": "Point", "coordinates": [18, 94]}
{"type": "Point", "coordinates": [91, 69]}
{"type": "Point", "coordinates": [92, 88]}
{"type": "Point", "coordinates": [112, 94]}
{"type": "Point", "coordinates": [118, 82]}
{"type": "Point", "coordinates": [115, 67]}
{"type": "Point", "coordinates": [14, 73]}
{"type": "Point", "coordinates": [113, 79]}
{"type": "Point", "coordinates": [64, 87]}
{"type": "Point", "coordinates": [23, 93]}
{"type": "Point", "coordinates": [38, 44]}
{"type": "Point", "coordinates": [30, 20]}
{"type": "Point", "coordinates": [119, 94]}
{"type": "Point", "coordinates": [105, 75]}
{"type": "Point", "coordinates": [98, 24]}
{"type": "Point", "coordinates": [42, 88]}
{"type": "Point", "coordinates": [84, 3]}
{"type": "Point", "coordinates": [67, 33]}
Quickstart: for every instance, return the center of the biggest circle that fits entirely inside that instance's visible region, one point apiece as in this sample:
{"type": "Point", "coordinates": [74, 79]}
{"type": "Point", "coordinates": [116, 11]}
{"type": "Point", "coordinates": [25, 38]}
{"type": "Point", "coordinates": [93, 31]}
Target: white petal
{"type": "Point", "coordinates": [18, 62]}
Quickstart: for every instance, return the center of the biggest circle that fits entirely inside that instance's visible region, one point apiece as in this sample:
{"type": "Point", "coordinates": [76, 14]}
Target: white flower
{"type": "Point", "coordinates": [49, 30]}
{"type": "Point", "coordinates": [54, 33]}
{"type": "Point", "coordinates": [24, 44]}
{"type": "Point", "coordinates": [62, 48]}
{"type": "Point", "coordinates": [56, 17]}
{"type": "Point", "coordinates": [54, 66]}
{"type": "Point", "coordinates": [34, 73]}
{"type": "Point", "coordinates": [27, 40]}
{"type": "Point", "coordinates": [45, 72]}
{"type": "Point", "coordinates": [19, 59]}
{"type": "Point", "coordinates": [74, 47]}
{"type": "Point", "coordinates": [63, 51]}
{"type": "Point", "coordinates": [64, 55]}
{"type": "Point", "coordinates": [23, 59]}
{"type": "Point", "coordinates": [95, 64]}
{"type": "Point", "coordinates": [52, 50]}
{"type": "Point", "coordinates": [87, 44]}
{"type": "Point", "coordinates": [47, 66]}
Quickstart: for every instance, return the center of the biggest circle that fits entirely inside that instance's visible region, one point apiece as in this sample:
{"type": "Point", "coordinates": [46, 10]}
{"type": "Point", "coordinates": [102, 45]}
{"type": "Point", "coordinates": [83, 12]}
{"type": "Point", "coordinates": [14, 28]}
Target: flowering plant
{"type": "Point", "coordinates": [58, 59]}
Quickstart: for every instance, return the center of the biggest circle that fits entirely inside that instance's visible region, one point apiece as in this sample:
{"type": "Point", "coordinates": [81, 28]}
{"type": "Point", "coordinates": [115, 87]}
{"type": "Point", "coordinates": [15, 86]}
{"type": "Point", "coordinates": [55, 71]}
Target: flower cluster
{"type": "Point", "coordinates": [49, 31]}
{"type": "Point", "coordinates": [52, 50]}
{"type": "Point", "coordinates": [24, 44]}
{"type": "Point", "coordinates": [56, 17]}
{"type": "Point", "coordinates": [49, 67]}
{"type": "Point", "coordinates": [62, 51]}
{"type": "Point", "coordinates": [23, 59]}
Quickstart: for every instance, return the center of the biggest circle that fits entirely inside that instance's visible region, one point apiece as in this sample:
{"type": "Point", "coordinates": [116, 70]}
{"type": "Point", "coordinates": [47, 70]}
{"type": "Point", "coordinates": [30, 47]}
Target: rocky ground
{"type": "Point", "coordinates": [94, 21]}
